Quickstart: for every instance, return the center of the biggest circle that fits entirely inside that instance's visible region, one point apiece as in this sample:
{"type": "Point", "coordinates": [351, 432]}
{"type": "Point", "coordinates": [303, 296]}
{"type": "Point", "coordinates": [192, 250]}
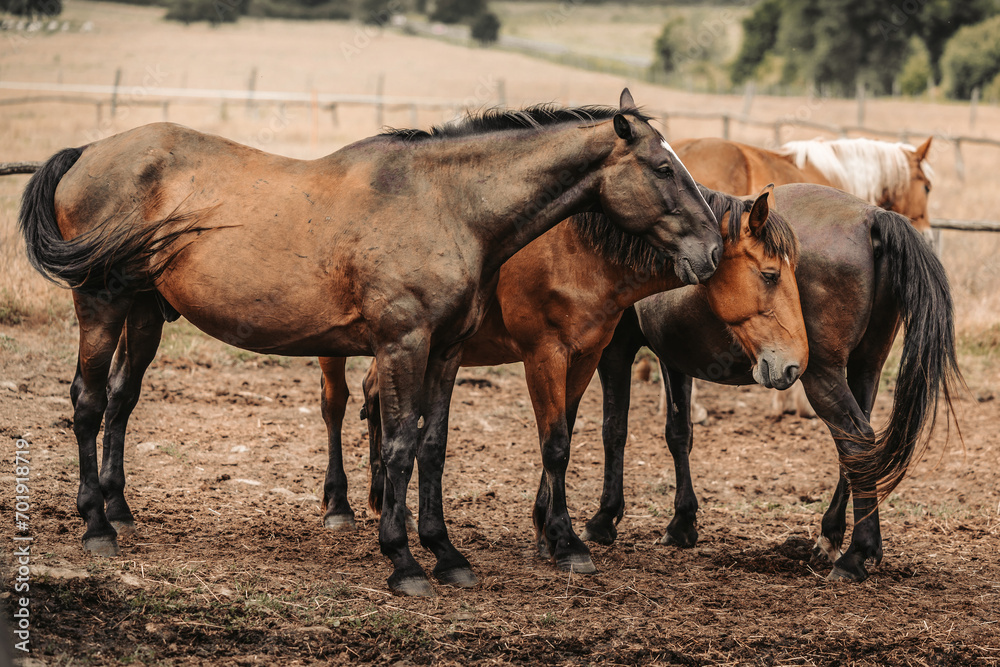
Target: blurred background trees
{"type": "Point", "coordinates": [897, 47]}
{"type": "Point", "coordinates": [32, 9]}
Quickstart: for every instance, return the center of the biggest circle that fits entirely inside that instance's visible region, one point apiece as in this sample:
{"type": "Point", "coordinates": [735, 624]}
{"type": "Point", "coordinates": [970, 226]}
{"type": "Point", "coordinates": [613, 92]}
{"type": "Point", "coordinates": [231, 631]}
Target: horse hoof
{"type": "Point", "coordinates": [577, 563]}
{"type": "Point", "coordinates": [680, 540]}
{"type": "Point", "coordinates": [339, 522]}
{"type": "Point", "coordinates": [598, 536]}
{"type": "Point", "coordinates": [124, 528]}
{"type": "Point", "coordinates": [104, 545]}
{"type": "Point", "coordinates": [413, 587]}
{"type": "Point", "coordinates": [824, 549]}
{"type": "Point", "coordinates": [840, 574]}
{"type": "Point", "coordinates": [461, 577]}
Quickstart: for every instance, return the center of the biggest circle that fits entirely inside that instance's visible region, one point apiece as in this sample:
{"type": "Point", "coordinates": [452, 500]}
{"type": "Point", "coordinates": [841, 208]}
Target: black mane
{"type": "Point", "coordinates": [499, 120]}
{"type": "Point", "coordinates": [636, 253]}
{"type": "Point", "coordinates": [777, 236]}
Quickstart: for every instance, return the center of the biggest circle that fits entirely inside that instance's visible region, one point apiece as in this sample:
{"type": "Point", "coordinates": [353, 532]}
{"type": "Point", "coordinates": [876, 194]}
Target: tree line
{"type": "Point", "coordinates": [889, 47]}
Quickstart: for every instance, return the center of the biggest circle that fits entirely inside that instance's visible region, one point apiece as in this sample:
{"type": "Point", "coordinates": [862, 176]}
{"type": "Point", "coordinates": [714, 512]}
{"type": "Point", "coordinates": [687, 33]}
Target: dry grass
{"type": "Point", "coordinates": [311, 56]}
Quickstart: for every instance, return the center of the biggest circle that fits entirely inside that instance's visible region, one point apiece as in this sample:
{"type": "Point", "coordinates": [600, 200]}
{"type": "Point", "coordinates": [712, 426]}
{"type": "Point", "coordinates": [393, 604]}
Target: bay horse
{"type": "Point", "coordinates": [556, 306]}
{"type": "Point", "coordinates": [387, 247]}
{"type": "Point", "coordinates": [863, 273]}
{"type": "Point", "coordinates": [895, 176]}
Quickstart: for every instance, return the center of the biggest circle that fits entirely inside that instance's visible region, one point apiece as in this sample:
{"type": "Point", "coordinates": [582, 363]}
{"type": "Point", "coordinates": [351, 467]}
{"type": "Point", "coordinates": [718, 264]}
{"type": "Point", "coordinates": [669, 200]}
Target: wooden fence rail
{"type": "Point", "coordinates": [156, 96]}
{"type": "Point", "coordinates": [9, 168]}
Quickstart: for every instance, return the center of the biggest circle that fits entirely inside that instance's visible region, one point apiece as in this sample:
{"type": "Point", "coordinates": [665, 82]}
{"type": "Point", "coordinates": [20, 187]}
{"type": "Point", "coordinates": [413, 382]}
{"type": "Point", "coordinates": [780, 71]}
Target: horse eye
{"type": "Point", "coordinates": [927, 188]}
{"type": "Point", "coordinates": [664, 170]}
{"type": "Point", "coordinates": [770, 277]}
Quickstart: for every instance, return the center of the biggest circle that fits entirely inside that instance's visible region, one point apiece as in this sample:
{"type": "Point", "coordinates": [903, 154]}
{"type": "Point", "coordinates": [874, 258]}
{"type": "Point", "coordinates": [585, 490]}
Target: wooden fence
{"type": "Point", "coordinates": [155, 96]}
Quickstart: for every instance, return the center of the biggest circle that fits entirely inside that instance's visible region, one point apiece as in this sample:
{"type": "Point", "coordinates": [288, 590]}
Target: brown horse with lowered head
{"type": "Point", "coordinates": [388, 247]}
{"type": "Point", "coordinates": [894, 176]}
{"type": "Point", "coordinates": [556, 307]}
{"type": "Point", "coordinates": [864, 273]}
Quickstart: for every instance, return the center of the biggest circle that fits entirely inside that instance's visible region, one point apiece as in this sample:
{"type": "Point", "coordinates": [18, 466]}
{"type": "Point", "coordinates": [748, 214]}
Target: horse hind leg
{"type": "Point", "coordinates": [337, 512]}
{"type": "Point", "coordinates": [101, 325]}
{"type": "Point", "coordinates": [136, 348]}
{"type": "Point", "coordinates": [852, 433]}
{"type": "Point", "coordinates": [679, 434]}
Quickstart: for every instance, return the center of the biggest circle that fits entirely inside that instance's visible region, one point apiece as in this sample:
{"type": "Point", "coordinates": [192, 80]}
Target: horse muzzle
{"type": "Point", "coordinates": [696, 263]}
{"type": "Point", "coordinates": [773, 372]}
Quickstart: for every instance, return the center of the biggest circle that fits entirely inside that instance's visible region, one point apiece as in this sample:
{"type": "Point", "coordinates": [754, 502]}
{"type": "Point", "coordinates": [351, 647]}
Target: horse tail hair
{"type": "Point", "coordinates": [115, 254]}
{"type": "Point", "coordinates": [37, 219]}
{"type": "Point", "coordinates": [928, 368]}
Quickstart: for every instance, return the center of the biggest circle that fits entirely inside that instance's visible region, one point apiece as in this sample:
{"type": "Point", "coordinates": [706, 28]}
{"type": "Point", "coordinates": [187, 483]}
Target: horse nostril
{"type": "Point", "coordinates": [791, 373]}
{"type": "Point", "coordinates": [716, 255]}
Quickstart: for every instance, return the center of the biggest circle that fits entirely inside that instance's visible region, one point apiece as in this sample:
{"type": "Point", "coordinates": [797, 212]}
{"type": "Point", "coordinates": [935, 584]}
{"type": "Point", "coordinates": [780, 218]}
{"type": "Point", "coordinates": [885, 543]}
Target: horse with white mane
{"type": "Point", "coordinates": [894, 176]}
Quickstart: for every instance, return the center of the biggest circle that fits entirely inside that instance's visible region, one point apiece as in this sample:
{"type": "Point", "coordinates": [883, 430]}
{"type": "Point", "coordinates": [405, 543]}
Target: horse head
{"type": "Point", "coordinates": [647, 191]}
{"type": "Point", "coordinates": [755, 293]}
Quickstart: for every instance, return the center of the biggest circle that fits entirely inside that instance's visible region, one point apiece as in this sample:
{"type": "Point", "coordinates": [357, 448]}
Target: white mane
{"type": "Point", "coordinates": [864, 167]}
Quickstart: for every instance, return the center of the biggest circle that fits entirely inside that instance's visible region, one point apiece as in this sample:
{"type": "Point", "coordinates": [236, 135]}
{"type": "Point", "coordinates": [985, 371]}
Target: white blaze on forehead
{"type": "Point", "coordinates": [697, 191]}
{"type": "Point", "coordinates": [669, 148]}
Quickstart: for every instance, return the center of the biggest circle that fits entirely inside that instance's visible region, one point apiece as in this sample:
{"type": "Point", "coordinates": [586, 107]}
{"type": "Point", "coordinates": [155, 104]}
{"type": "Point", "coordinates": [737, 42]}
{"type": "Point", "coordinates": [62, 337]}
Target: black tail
{"type": "Point", "coordinates": [45, 244]}
{"type": "Point", "coordinates": [117, 249]}
{"type": "Point", "coordinates": [928, 367]}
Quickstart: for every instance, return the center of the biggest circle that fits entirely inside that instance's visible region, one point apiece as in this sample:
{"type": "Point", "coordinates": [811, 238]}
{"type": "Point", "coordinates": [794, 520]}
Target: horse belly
{"type": "Point", "coordinates": [274, 302]}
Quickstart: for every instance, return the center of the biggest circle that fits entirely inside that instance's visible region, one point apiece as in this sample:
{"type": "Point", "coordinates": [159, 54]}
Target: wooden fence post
{"type": "Point", "coordinates": [959, 162]}
{"type": "Point", "coordinates": [748, 97]}
{"type": "Point", "coordinates": [379, 108]}
{"type": "Point", "coordinates": [251, 87]}
{"type": "Point", "coordinates": [114, 92]}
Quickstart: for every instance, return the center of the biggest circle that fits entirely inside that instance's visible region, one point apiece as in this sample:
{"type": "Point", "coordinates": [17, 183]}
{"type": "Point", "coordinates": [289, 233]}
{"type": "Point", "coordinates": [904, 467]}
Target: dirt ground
{"type": "Point", "coordinates": [231, 565]}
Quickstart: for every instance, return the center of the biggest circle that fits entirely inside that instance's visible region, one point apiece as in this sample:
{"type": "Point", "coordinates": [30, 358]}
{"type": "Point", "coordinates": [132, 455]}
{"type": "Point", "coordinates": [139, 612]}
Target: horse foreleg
{"type": "Point", "coordinates": [679, 434]}
{"type": "Point", "coordinates": [100, 328]}
{"type": "Point", "coordinates": [452, 567]}
{"type": "Point", "coordinates": [547, 377]}
{"type": "Point", "coordinates": [136, 348]}
{"type": "Point", "coordinates": [542, 495]}
{"type": "Point", "coordinates": [376, 471]}
{"type": "Point", "coordinates": [833, 401]}
{"type": "Point", "coordinates": [337, 512]}
{"type": "Point", "coordinates": [402, 367]}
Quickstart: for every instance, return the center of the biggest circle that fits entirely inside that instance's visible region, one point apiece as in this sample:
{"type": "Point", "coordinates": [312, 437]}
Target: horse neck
{"type": "Point", "coordinates": [611, 280]}
{"type": "Point", "coordinates": [528, 182]}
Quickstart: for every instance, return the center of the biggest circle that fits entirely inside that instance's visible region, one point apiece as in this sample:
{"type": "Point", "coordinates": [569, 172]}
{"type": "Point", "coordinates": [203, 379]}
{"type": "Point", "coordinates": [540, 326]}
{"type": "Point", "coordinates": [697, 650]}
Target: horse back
{"type": "Point", "coordinates": [150, 171]}
{"type": "Point", "coordinates": [837, 271]}
{"type": "Point", "coordinates": [739, 169]}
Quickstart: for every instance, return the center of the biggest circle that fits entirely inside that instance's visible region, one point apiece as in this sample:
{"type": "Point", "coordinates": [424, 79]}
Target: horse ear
{"type": "Point", "coordinates": [623, 128]}
{"type": "Point", "coordinates": [923, 149]}
{"type": "Point", "coordinates": [626, 103]}
{"type": "Point", "coordinates": [760, 210]}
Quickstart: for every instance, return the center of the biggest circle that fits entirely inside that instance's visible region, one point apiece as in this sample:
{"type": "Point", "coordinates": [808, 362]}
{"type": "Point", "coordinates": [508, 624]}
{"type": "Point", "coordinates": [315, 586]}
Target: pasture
{"type": "Point", "coordinates": [226, 450]}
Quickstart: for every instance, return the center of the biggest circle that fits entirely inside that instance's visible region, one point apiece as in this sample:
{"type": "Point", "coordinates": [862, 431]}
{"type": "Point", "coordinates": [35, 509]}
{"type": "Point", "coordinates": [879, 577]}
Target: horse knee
{"type": "Point", "coordinates": [88, 412]}
{"type": "Point", "coordinates": [397, 462]}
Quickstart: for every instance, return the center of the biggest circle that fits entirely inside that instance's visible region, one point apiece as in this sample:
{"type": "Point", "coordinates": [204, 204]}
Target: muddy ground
{"type": "Point", "coordinates": [231, 565]}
